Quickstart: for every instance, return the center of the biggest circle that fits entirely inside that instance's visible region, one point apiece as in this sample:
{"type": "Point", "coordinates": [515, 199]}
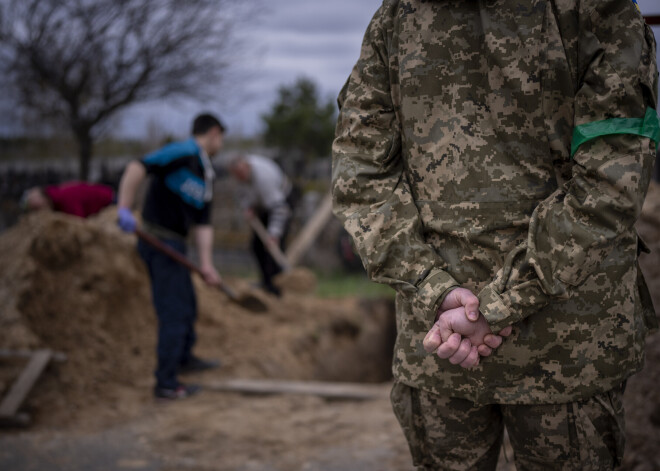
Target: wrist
{"type": "Point", "coordinates": [206, 265]}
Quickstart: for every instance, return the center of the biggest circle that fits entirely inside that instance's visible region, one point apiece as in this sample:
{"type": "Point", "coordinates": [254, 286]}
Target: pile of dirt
{"type": "Point", "coordinates": [297, 280]}
{"type": "Point", "coordinates": [641, 399]}
{"type": "Point", "coordinates": [648, 228]}
{"type": "Point", "coordinates": [78, 287]}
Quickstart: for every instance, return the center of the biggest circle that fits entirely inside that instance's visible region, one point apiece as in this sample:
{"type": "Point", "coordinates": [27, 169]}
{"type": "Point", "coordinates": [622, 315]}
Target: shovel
{"type": "Point", "coordinates": [273, 249]}
{"type": "Point", "coordinates": [247, 301]}
{"type": "Point", "coordinates": [300, 280]}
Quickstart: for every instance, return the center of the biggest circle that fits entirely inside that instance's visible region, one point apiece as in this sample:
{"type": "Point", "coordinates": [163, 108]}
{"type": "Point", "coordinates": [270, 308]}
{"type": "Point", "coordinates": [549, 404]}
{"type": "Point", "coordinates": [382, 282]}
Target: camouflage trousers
{"type": "Point", "coordinates": [454, 434]}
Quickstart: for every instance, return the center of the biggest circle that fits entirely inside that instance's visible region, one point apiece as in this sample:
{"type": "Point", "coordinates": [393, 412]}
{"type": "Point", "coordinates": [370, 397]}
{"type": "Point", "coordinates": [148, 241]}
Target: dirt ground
{"type": "Point", "coordinates": [79, 288]}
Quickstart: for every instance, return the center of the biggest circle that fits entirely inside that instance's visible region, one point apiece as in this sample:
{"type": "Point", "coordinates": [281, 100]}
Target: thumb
{"type": "Point", "coordinates": [470, 302]}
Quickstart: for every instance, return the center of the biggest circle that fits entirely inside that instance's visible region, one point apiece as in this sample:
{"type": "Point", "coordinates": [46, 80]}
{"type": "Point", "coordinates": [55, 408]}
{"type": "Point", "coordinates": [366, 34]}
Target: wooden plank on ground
{"type": "Point", "coordinates": [354, 391]}
{"type": "Point", "coordinates": [311, 231]}
{"type": "Point", "coordinates": [57, 356]}
{"type": "Point", "coordinates": [23, 385]}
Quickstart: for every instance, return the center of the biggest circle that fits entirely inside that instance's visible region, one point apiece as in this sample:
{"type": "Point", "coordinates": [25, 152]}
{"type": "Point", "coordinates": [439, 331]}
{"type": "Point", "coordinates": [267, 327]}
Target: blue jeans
{"type": "Point", "coordinates": [176, 307]}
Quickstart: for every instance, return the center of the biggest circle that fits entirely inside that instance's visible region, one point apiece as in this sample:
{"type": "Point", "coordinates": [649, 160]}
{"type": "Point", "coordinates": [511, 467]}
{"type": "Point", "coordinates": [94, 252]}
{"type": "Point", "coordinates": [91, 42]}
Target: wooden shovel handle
{"type": "Point", "coordinates": [273, 249]}
{"type": "Point", "coordinates": [176, 256]}
{"type": "Point", "coordinates": [247, 301]}
{"type": "Point", "coordinates": [167, 250]}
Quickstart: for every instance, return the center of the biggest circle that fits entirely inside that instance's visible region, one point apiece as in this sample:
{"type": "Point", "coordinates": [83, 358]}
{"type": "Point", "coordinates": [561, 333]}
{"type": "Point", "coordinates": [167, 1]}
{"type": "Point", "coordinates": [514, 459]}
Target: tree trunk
{"type": "Point", "coordinates": [85, 145]}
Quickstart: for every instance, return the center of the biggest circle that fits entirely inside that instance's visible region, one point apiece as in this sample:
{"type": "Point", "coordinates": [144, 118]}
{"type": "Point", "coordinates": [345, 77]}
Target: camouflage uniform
{"type": "Point", "coordinates": [448, 433]}
{"type": "Point", "coordinates": [505, 146]}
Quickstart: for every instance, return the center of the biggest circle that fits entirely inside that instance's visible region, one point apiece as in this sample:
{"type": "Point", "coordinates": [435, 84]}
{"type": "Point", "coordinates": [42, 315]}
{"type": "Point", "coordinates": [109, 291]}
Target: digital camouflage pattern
{"type": "Point", "coordinates": [446, 433]}
{"type": "Point", "coordinates": [452, 167]}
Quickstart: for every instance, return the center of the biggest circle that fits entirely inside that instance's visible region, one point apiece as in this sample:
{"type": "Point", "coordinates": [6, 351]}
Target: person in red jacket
{"type": "Point", "coordinates": [75, 198]}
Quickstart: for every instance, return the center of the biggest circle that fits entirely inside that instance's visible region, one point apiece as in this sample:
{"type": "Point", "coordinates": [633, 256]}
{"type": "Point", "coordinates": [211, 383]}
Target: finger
{"type": "Point", "coordinates": [433, 339]}
{"type": "Point", "coordinates": [449, 347]}
{"type": "Point", "coordinates": [493, 341]}
{"type": "Point", "coordinates": [506, 331]}
{"type": "Point", "coordinates": [462, 352]}
{"type": "Point", "coordinates": [444, 325]}
{"type": "Point", "coordinates": [485, 350]}
{"type": "Point", "coordinates": [472, 359]}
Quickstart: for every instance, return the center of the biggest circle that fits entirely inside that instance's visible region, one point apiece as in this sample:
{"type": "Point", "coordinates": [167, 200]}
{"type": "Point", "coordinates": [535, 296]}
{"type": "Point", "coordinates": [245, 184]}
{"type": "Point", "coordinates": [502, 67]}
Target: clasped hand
{"type": "Point", "coordinates": [461, 333]}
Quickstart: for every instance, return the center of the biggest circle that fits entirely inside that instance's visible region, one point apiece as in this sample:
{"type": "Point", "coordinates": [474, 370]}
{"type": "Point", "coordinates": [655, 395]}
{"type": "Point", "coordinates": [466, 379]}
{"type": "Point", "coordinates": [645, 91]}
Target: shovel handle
{"type": "Point", "coordinates": [177, 257]}
{"type": "Point", "coordinates": [167, 250]}
{"type": "Point", "coordinates": [273, 249]}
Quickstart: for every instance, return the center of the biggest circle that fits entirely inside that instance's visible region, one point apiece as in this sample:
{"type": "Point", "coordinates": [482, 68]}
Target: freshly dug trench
{"type": "Point", "coordinates": [359, 350]}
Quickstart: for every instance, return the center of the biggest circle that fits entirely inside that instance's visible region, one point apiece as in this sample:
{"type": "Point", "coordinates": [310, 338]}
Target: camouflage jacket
{"type": "Point", "coordinates": [453, 166]}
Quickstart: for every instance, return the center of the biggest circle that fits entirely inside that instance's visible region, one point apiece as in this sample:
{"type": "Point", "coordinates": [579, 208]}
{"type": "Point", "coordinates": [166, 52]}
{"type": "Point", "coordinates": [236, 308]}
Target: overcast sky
{"type": "Point", "coordinates": [290, 38]}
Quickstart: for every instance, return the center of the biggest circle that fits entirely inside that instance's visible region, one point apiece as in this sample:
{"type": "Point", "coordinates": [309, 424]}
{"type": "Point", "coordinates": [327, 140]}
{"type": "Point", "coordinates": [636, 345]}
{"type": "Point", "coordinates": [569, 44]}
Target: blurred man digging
{"type": "Point", "coordinates": [178, 199]}
{"type": "Point", "coordinates": [265, 193]}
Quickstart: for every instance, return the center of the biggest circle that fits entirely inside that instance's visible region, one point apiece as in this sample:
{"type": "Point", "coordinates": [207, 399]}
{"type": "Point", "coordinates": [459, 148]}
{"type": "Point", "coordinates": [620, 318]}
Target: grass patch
{"type": "Point", "coordinates": [331, 285]}
{"type": "Point", "coordinates": [344, 285]}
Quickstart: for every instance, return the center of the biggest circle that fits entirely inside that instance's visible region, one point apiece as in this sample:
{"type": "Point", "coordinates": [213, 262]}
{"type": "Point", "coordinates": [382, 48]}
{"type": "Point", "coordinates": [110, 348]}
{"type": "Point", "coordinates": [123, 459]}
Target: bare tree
{"type": "Point", "coordinates": [80, 61]}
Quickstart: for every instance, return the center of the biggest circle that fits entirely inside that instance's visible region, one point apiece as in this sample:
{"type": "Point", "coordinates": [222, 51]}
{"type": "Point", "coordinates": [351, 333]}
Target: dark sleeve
{"type": "Point", "coordinates": [202, 217]}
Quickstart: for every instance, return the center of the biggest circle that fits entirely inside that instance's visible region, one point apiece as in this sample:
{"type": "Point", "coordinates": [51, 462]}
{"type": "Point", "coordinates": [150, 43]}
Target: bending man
{"type": "Point", "coordinates": [265, 193]}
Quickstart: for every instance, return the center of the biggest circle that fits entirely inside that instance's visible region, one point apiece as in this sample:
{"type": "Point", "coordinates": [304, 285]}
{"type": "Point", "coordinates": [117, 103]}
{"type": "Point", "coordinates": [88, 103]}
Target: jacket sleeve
{"type": "Point", "coordinates": [279, 215]}
{"type": "Point", "coordinates": [371, 194]}
{"type": "Point", "coordinates": [575, 229]}
{"type": "Point", "coordinates": [273, 197]}
{"type": "Point", "coordinates": [169, 158]}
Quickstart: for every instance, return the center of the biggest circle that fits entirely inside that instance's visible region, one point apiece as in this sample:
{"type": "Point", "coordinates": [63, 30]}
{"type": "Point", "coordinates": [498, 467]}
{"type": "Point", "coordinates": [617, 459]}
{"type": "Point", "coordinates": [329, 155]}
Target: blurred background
{"type": "Point", "coordinates": [88, 86]}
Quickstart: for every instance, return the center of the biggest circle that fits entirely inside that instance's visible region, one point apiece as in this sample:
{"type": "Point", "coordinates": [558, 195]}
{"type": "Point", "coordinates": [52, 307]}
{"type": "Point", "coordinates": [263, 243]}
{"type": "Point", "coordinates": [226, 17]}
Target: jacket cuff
{"type": "Point", "coordinates": [275, 231]}
{"type": "Point", "coordinates": [430, 294]}
{"type": "Point", "coordinates": [503, 309]}
{"type": "Point", "coordinates": [494, 309]}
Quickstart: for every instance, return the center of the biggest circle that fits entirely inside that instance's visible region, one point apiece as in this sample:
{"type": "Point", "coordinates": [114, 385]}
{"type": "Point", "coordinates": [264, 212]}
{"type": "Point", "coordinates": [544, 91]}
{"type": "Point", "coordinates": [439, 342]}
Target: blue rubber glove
{"type": "Point", "coordinates": [126, 220]}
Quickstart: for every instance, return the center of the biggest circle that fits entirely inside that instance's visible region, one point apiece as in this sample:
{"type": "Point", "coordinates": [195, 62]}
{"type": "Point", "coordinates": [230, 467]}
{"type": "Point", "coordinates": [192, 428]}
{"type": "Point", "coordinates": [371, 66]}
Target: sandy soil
{"type": "Point", "coordinates": [79, 288]}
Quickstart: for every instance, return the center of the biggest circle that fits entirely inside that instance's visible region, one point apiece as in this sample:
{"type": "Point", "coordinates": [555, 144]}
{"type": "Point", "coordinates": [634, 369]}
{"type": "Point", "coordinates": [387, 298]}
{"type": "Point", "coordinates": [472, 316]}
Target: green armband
{"type": "Point", "coordinates": [649, 126]}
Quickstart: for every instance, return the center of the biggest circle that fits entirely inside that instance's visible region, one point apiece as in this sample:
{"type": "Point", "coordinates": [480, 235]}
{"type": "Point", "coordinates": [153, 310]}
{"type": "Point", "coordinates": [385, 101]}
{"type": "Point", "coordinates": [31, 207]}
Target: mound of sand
{"type": "Point", "coordinates": [296, 280]}
{"type": "Point", "coordinates": [79, 287]}
{"type": "Point", "coordinates": [641, 400]}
